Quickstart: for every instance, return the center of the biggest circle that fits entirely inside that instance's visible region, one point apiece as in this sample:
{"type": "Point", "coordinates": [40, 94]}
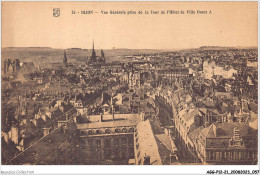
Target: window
{"type": "Point", "coordinates": [250, 154]}
{"type": "Point", "coordinates": [117, 130]}
{"type": "Point", "coordinates": [124, 152]}
{"type": "Point", "coordinates": [107, 153]}
{"type": "Point", "coordinates": [124, 130]}
{"type": "Point", "coordinates": [98, 143]}
{"type": "Point", "coordinates": [90, 132]}
{"type": "Point", "coordinates": [98, 131]}
{"type": "Point", "coordinates": [82, 132]}
{"type": "Point", "coordinates": [123, 140]}
{"type": "Point", "coordinates": [236, 155]}
{"type": "Point", "coordinates": [138, 153]}
{"type": "Point", "coordinates": [107, 131]}
{"type": "Point", "coordinates": [107, 142]}
{"type": "Point", "coordinates": [116, 141]}
{"type": "Point", "coordinates": [116, 152]}
{"type": "Point", "coordinates": [217, 155]}
{"type": "Point", "coordinates": [231, 155]}
{"type": "Point", "coordinates": [130, 140]}
{"type": "Point", "coordinates": [131, 152]}
{"type": "Point", "coordinates": [131, 130]}
{"type": "Point", "coordinates": [90, 142]}
{"type": "Point", "coordinates": [207, 155]}
{"type": "Point", "coordinates": [83, 144]}
{"type": "Point", "coordinates": [241, 155]}
{"type": "Point", "coordinates": [211, 155]}
{"type": "Point", "coordinates": [173, 158]}
{"type": "Point", "coordinates": [224, 155]}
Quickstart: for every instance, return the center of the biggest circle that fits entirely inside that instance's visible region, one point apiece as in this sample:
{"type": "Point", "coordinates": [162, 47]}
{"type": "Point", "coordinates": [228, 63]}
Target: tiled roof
{"type": "Point", "coordinates": [120, 120]}
{"type": "Point", "coordinates": [147, 143]}
{"type": "Point", "coordinates": [165, 140]}
{"type": "Point", "coordinates": [224, 130]}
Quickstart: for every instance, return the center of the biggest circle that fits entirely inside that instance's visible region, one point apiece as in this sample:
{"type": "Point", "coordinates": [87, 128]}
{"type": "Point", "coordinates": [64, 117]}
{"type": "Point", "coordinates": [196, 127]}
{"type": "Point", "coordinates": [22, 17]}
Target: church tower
{"type": "Point", "coordinates": [93, 56]}
{"type": "Point", "coordinates": [103, 56]}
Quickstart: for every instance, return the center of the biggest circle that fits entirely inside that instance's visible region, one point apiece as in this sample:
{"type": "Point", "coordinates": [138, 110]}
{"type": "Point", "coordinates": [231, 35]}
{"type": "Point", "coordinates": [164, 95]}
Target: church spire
{"type": "Point", "coordinates": [65, 57]}
{"type": "Point", "coordinates": [93, 56]}
{"type": "Point", "coordinates": [103, 56]}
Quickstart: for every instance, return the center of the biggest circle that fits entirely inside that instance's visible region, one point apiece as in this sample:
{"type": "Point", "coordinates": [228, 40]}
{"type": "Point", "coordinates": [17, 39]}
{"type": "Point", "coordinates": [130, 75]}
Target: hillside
{"type": "Point", "coordinates": [44, 54]}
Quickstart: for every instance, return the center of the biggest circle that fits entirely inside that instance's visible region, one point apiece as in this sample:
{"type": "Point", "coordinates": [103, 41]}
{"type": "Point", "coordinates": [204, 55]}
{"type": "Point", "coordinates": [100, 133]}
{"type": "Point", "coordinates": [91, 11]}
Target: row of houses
{"type": "Point", "coordinates": [209, 136]}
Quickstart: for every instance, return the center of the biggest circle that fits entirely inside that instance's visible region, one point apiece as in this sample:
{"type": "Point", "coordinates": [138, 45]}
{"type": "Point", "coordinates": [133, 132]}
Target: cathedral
{"type": "Point", "coordinates": [96, 59]}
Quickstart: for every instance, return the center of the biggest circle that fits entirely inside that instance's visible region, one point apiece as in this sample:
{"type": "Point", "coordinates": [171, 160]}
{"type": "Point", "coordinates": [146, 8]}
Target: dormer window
{"type": "Point", "coordinates": [223, 144]}
{"type": "Point", "coordinates": [82, 132]}
{"type": "Point", "coordinates": [107, 131]}
{"type": "Point", "coordinates": [124, 130]}
{"type": "Point", "coordinates": [131, 130]}
{"type": "Point", "coordinates": [98, 131]}
{"type": "Point", "coordinates": [138, 153]}
{"type": "Point", "coordinates": [137, 145]}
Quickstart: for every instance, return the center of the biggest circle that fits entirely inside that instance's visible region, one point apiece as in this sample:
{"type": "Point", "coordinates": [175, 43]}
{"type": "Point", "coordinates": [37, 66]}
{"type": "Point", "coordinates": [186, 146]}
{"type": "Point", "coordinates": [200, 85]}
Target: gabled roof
{"type": "Point", "coordinates": [105, 105]}
{"type": "Point", "coordinates": [224, 130]}
{"type": "Point", "coordinates": [165, 140]}
{"type": "Point", "coordinates": [191, 114]}
{"type": "Point", "coordinates": [206, 131]}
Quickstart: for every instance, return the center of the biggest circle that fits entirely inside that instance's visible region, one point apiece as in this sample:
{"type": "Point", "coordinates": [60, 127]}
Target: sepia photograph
{"type": "Point", "coordinates": [129, 83]}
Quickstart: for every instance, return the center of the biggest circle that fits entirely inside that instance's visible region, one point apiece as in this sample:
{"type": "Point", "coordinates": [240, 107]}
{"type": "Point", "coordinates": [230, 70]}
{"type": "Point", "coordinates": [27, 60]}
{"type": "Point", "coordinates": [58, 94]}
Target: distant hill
{"type": "Point", "coordinates": [40, 55]}
{"type": "Point", "coordinates": [223, 48]}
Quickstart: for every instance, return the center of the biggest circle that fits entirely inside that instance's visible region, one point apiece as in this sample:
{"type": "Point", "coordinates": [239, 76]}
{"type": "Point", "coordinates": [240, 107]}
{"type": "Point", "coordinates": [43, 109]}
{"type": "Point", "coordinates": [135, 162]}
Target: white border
{"type": "Point", "coordinates": [127, 169]}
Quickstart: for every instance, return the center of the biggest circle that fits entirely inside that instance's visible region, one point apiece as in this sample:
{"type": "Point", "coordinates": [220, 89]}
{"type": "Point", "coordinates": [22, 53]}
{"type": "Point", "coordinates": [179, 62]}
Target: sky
{"type": "Point", "coordinates": [31, 24]}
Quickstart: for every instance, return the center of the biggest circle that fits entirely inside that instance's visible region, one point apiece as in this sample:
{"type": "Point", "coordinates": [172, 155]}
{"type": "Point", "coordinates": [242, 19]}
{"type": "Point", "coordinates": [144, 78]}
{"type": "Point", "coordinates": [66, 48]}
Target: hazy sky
{"type": "Point", "coordinates": [31, 24]}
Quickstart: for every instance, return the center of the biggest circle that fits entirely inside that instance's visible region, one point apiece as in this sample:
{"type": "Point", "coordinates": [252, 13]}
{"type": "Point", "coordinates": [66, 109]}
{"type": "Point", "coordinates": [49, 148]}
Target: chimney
{"type": "Point", "coordinates": [6, 137]}
{"type": "Point", "coordinates": [101, 117]}
{"type": "Point", "coordinates": [141, 116]}
{"type": "Point", "coordinates": [236, 135]}
{"type": "Point", "coordinates": [167, 131]}
{"type": "Point", "coordinates": [67, 117]}
{"type": "Point", "coordinates": [207, 124]}
{"type": "Point", "coordinates": [147, 160]}
{"type": "Point", "coordinates": [113, 116]}
{"type": "Point", "coordinates": [113, 112]}
{"type": "Point", "coordinates": [14, 134]}
{"type": "Point", "coordinates": [46, 131]}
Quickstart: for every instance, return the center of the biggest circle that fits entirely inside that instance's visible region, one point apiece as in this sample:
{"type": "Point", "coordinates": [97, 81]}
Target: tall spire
{"type": "Point", "coordinates": [65, 57]}
{"type": "Point", "coordinates": [93, 56]}
{"type": "Point", "coordinates": [103, 56]}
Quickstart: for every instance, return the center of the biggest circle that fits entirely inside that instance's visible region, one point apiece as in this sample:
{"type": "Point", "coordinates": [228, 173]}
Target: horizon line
{"type": "Point", "coordinates": [128, 48]}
